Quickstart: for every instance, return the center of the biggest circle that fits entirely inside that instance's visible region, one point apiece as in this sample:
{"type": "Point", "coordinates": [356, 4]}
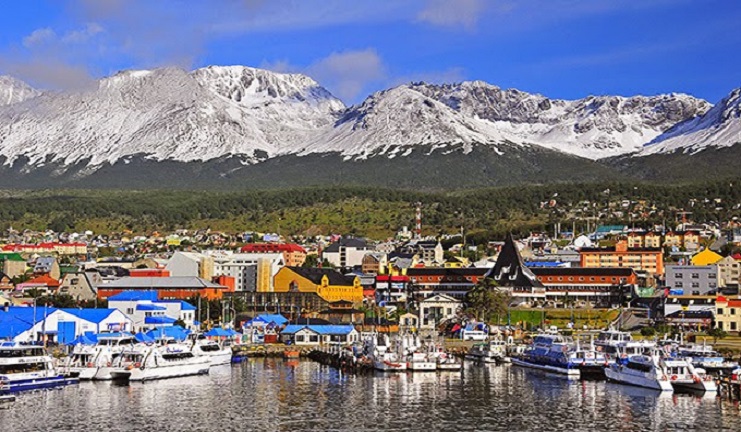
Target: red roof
{"type": "Point", "coordinates": [44, 280]}
{"type": "Point", "coordinates": [385, 278]}
{"type": "Point", "coordinates": [736, 256]}
{"type": "Point", "coordinates": [734, 303]}
{"type": "Point", "coordinates": [272, 247]}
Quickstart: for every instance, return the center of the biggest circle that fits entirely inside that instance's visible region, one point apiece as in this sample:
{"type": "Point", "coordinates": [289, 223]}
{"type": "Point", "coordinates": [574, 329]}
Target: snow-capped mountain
{"type": "Point", "coordinates": [13, 91]}
{"type": "Point", "coordinates": [719, 127]}
{"type": "Point", "coordinates": [250, 115]}
{"type": "Point", "coordinates": [169, 114]}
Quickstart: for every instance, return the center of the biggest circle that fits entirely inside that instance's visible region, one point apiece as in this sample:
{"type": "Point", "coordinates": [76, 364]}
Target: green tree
{"type": "Point", "coordinates": [487, 299]}
{"type": "Point", "coordinates": [717, 333]}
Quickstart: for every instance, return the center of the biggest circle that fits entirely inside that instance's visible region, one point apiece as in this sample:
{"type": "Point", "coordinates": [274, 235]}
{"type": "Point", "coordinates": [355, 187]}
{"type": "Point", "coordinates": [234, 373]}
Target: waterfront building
{"type": "Point", "coordinates": [27, 323]}
{"type": "Point", "coordinates": [728, 314]}
{"type": "Point", "coordinates": [454, 282]}
{"type": "Point", "coordinates": [341, 312]}
{"type": "Point", "coordinates": [317, 334]}
{"type": "Point", "coordinates": [436, 309]}
{"type": "Point", "coordinates": [650, 260]}
{"type": "Point", "coordinates": [329, 284]}
{"type": "Point", "coordinates": [581, 287]}
{"type": "Point", "coordinates": [146, 310]}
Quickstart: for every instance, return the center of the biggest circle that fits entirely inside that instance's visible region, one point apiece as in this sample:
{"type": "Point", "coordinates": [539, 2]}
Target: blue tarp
{"type": "Point", "coordinates": [174, 332]}
{"type": "Point", "coordinates": [85, 339]}
{"type": "Point", "coordinates": [143, 337]}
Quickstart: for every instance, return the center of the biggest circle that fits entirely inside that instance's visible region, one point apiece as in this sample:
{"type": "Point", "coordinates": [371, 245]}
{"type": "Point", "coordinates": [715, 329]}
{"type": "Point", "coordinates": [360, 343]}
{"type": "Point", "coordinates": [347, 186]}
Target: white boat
{"type": "Point", "coordinates": [219, 355]}
{"type": "Point", "coordinates": [705, 357]}
{"type": "Point", "coordinates": [443, 360]}
{"type": "Point", "coordinates": [384, 358]}
{"type": "Point", "coordinates": [640, 370]}
{"type": "Point", "coordinates": [150, 362]}
{"type": "Point", "coordinates": [617, 344]}
{"type": "Point", "coordinates": [27, 367]}
{"type": "Point", "coordinates": [683, 376]}
{"type": "Point", "coordinates": [420, 361]}
{"type": "Point", "coordinates": [494, 351]}
{"type": "Point", "coordinates": [96, 362]}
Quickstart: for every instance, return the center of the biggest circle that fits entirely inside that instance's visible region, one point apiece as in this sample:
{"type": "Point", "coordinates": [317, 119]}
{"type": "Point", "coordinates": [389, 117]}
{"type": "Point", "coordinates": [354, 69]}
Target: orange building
{"type": "Point", "coordinates": [650, 260]}
{"type": "Point", "coordinates": [293, 254]}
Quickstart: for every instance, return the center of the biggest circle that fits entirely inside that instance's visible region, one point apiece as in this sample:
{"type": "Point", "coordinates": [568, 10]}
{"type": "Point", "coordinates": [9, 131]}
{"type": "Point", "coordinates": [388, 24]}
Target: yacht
{"type": "Point", "coordinates": [149, 362]}
{"type": "Point", "coordinates": [683, 376]}
{"type": "Point", "coordinates": [96, 362]}
{"type": "Point", "coordinates": [549, 353]}
{"type": "Point", "coordinates": [617, 344]}
{"type": "Point", "coordinates": [494, 351]}
{"type": "Point", "coordinates": [219, 355]}
{"type": "Point", "coordinates": [590, 361]}
{"type": "Point", "coordinates": [642, 370]}
{"type": "Point", "coordinates": [26, 367]}
{"type": "Point", "coordinates": [705, 357]}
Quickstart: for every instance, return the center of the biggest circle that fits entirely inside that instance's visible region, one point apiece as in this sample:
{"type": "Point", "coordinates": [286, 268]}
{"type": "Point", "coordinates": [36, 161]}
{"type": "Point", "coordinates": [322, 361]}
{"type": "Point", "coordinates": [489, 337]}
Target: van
{"type": "Point", "coordinates": [474, 335]}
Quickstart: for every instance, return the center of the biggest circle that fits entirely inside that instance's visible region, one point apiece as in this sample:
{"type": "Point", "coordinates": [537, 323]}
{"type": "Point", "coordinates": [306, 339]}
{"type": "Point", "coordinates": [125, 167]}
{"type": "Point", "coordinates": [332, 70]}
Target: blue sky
{"type": "Point", "coordinates": [560, 48]}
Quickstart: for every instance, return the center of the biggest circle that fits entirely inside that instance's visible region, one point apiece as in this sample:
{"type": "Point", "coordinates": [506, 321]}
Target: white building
{"type": "Point", "coordinates": [436, 309]}
{"type": "Point", "coordinates": [24, 324]}
{"type": "Point", "coordinates": [145, 311]}
{"type": "Point", "coordinates": [347, 252]}
{"type": "Point", "coordinates": [251, 271]}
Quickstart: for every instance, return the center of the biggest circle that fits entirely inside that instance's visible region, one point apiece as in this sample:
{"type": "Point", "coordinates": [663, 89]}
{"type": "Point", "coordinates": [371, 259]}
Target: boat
{"type": "Point", "coordinates": [384, 358]}
{"type": "Point", "coordinates": [494, 351]}
{"type": "Point", "coordinates": [443, 360]}
{"type": "Point", "coordinates": [420, 361]}
{"type": "Point", "coordinates": [549, 353]}
{"type": "Point", "coordinates": [684, 376]}
{"type": "Point", "coordinates": [705, 357]}
{"type": "Point", "coordinates": [217, 354]}
{"type": "Point", "coordinates": [96, 362]}
{"type": "Point", "coordinates": [28, 367]}
{"type": "Point", "coordinates": [641, 370]}
{"type": "Point", "coordinates": [146, 362]}
{"type": "Point", "coordinates": [618, 344]}
{"type": "Point", "coordinates": [590, 361]}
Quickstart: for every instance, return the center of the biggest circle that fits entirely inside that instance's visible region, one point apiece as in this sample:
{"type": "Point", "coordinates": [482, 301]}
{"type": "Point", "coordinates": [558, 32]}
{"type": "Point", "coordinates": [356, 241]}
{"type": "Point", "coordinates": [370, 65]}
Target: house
{"type": "Point", "coordinates": [729, 272]}
{"type": "Point", "coordinates": [728, 314]}
{"type": "Point", "coordinates": [82, 285]}
{"type": "Point", "coordinates": [181, 288]}
{"type": "Point", "coordinates": [409, 321]}
{"type": "Point", "coordinates": [47, 266]}
{"type": "Point", "coordinates": [430, 252]}
{"type": "Point", "coordinates": [374, 263]}
{"type": "Point", "coordinates": [346, 252]}
{"type": "Point", "coordinates": [6, 282]}
{"type": "Point", "coordinates": [329, 284]}
{"type": "Point", "coordinates": [437, 309]}
{"type": "Point", "coordinates": [43, 284]}
{"type": "Point", "coordinates": [12, 264]}
{"type": "Point", "coordinates": [318, 334]}
{"type": "Point", "coordinates": [293, 254]}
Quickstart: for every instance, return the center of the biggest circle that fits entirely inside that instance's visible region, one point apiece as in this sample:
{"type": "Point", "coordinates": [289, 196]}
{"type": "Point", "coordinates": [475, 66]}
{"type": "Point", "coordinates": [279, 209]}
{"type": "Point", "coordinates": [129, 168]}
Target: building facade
{"type": "Point", "coordinates": [650, 260]}
{"type": "Point", "coordinates": [692, 280]}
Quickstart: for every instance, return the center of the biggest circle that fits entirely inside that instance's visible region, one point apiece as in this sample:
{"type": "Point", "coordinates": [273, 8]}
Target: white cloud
{"type": "Point", "coordinates": [38, 37]}
{"type": "Point", "coordinates": [82, 35]}
{"type": "Point", "coordinates": [347, 74]}
{"type": "Point", "coordinates": [449, 13]}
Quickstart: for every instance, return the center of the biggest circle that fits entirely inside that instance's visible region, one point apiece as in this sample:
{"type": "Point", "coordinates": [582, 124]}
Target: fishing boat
{"type": "Point", "coordinates": [384, 358]}
{"type": "Point", "coordinates": [684, 376]}
{"type": "Point", "coordinates": [96, 362]}
{"type": "Point", "coordinates": [494, 351]}
{"type": "Point", "coordinates": [146, 362]}
{"type": "Point", "coordinates": [217, 354]}
{"type": "Point", "coordinates": [549, 353]}
{"type": "Point", "coordinates": [443, 360]}
{"type": "Point", "coordinates": [420, 362]}
{"type": "Point", "coordinates": [25, 367]}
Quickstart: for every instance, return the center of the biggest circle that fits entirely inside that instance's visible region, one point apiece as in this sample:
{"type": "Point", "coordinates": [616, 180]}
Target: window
{"type": "Point", "coordinates": [129, 311]}
{"type": "Point", "coordinates": [720, 312]}
{"type": "Point", "coordinates": [733, 311]}
{"type": "Point", "coordinates": [695, 285]}
{"type": "Point", "coordinates": [678, 285]}
{"type": "Point", "coordinates": [299, 338]}
{"type": "Point", "coordinates": [695, 275]}
{"type": "Point", "coordinates": [678, 275]}
{"type": "Point", "coordinates": [733, 325]}
{"type": "Point", "coordinates": [712, 276]}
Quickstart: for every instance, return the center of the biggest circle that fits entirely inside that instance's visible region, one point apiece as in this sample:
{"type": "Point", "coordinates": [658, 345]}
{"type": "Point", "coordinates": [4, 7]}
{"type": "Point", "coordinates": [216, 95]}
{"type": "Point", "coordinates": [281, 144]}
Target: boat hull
{"type": "Point", "coordinates": [387, 366]}
{"type": "Point", "coordinates": [568, 372]}
{"type": "Point", "coordinates": [221, 358]}
{"type": "Point", "coordinates": [695, 385]}
{"type": "Point", "coordinates": [38, 383]}
{"type": "Point", "coordinates": [422, 366]}
{"type": "Point", "coordinates": [161, 372]}
{"type": "Point", "coordinates": [615, 375]}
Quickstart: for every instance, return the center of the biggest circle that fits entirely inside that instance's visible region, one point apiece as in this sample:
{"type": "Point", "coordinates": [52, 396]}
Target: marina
{"type": "Point", "coordinates": [274, 394]}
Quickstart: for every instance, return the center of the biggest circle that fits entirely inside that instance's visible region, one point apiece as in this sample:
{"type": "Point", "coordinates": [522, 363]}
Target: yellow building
{"type": "Point", "coordinates": [706, 257]}
{"type": "Point", "coordinates": [728, 314]}
{"type": "Point", "coordinates": [329, 284]}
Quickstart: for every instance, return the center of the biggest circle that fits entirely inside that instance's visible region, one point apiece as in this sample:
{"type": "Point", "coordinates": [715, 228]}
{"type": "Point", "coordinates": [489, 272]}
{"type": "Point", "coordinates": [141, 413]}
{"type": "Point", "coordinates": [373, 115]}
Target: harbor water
{"type": "Point", "coordinates": [278, 395]}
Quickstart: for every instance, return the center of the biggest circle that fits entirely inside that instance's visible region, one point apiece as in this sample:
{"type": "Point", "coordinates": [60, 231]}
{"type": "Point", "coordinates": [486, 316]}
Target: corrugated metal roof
{"type": "Point", "coordinates": [133, 295]}
{"type": "Point", "coordinates": [92, 315]}
{"type": "Point", "coordinates": [150, 307]}
{"type": "Point", "coordinates": [161, 283]}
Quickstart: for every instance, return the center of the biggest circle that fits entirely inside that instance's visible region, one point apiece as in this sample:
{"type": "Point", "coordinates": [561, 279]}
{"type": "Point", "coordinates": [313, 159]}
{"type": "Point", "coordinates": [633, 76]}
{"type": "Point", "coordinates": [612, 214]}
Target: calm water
{"type": "Point", "coordinates": [273, 395]}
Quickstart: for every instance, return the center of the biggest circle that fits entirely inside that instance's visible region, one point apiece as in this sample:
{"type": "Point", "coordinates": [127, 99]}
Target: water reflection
{"type": "Point", "coordinates": [271, 394]}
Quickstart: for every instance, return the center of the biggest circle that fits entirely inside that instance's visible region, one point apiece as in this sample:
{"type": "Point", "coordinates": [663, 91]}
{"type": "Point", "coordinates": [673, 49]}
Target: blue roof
{"type": "Point", "coordinates": [85, 339]}
{"type": "Point", "coordinates": [93, 315]}
{"type": "Point", "coordinates": [328, 329]}
{"type": "Point", "coordinates": [157, 320]}
{"type": "Point", "coordinates": [150, 307]}
{"type": "Point", "coordinates": [19, 319]}
{"type": "Point", "coordinates": [134, 296]}
{"type": "Point", "coordinates": [184, 305]}
{"type": "Point", "coordinates": [276, 318]}
{"type": "Point", "coordinates": [548, 264]}
{"type": "Point", "coordinates": [143, 337]}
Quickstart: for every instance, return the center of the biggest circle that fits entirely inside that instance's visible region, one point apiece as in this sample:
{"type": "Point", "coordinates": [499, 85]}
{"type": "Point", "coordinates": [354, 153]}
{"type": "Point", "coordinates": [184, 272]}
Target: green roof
{"type": "Point", "coordinates": [13, 256]}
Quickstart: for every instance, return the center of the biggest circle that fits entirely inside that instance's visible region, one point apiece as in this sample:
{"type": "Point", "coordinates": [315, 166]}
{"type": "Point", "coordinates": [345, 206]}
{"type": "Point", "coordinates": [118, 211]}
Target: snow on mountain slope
{"type": "Point", "coordinates": [168, 114]}
{"type": "Point", "coordinates": [401, 116]}
{"type": "Point", "coordinates": [593, 127]}
{"type": "Point", "coordinates": [13, 91]}
{"type": "Point", "coordinates": [719, 127]}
